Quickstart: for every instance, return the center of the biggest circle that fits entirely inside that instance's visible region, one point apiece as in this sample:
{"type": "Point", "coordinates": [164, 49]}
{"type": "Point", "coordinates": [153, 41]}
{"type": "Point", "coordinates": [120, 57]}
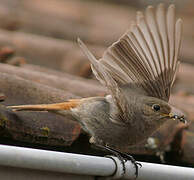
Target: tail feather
{"type": "Point", "coordinates": [47, 107]}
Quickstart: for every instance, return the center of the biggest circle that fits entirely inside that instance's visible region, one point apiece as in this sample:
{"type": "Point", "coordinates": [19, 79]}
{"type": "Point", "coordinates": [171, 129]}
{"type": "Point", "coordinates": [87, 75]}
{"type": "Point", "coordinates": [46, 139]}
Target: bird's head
{"type": "Point", "coordinates": [157, 111]}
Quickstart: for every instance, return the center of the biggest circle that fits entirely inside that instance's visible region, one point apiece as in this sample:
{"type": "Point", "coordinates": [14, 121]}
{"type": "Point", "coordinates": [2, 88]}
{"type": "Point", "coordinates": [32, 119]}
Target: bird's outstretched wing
{"type": "Point", "coordinates": [146, 56]}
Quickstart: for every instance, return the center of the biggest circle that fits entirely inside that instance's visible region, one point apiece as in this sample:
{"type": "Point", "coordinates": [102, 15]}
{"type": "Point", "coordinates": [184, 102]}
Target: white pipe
{"type": "Point", "coordinates": [150, 171]}
{"type": "Point", "coordinates": [87, 165]}
{"type": "Point", "coordinates": [55, 161]}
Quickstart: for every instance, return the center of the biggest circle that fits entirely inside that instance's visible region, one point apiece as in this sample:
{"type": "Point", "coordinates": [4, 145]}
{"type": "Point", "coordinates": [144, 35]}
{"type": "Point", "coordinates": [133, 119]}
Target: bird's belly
{"type": "Point", "coordinates": [122, 137]}
{"type": "Point", "coordinates": [118, 137]}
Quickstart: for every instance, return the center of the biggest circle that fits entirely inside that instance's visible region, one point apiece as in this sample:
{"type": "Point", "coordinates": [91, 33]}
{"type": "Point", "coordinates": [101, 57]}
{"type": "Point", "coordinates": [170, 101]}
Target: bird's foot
{"type": "Point", "coordinates": [127, 157]}
{"type": "Point", "coordinates": [123, 157]}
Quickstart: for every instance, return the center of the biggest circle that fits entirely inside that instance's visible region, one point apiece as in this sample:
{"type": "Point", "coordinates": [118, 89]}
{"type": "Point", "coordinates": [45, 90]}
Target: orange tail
{"type": "Point", "coordinates": [72, 103]}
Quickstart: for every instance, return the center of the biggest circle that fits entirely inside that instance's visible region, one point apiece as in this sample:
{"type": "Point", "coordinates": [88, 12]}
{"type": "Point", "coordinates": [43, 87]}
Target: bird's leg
{"type": "Point", "coordinates": [123, 160]}
{"type": "Point", "coordinates": [123, 157]}
{"type": "Point", "coordinates": [126, 157]}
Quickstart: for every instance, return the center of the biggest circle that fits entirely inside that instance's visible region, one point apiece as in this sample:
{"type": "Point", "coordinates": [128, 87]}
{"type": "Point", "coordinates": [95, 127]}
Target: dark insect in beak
{"type": "Point", "coordinates": [180, 118]}
{"type": "Point", "coordinates": [2, 97]}
{"type": "Point", "coordinates": [176, 114]}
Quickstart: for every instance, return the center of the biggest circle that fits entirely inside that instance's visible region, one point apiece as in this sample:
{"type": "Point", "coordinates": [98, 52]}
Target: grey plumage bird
{"type": "Point", "coordinates": [138, 70]}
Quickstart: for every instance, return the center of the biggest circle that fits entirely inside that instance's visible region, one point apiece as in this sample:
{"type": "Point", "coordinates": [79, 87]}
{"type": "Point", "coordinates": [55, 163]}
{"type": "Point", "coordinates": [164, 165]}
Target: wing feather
{"type": "Point", "coordinates": [146, 56]}
{"type": "Point", "coordinates": [153, 28]}
{"type": "Point", "coordinates": [171, 31]}
{"type": "Point", "coordinates": [178, 32]}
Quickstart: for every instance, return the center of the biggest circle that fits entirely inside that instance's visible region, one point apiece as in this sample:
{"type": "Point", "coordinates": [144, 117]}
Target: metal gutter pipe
{"type": "Point", "coordinates": [87, 165]}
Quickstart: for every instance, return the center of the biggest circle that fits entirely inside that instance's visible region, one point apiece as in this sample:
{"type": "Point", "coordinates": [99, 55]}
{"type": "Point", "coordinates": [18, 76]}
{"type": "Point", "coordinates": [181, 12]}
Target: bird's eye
{"type": "Point", "coordinates": [156, 107]}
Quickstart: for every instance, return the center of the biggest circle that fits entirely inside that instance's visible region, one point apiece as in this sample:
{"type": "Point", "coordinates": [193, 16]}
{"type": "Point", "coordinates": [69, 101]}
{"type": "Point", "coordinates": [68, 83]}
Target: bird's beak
{"type": "Point", "coordinates": [176, 114]}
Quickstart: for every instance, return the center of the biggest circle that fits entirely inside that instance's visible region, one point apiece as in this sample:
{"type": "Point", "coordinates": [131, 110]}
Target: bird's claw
{"type": "Point", "coordinates": [136, 164]}
{"type": "Point", "coordinates": [123, 157]}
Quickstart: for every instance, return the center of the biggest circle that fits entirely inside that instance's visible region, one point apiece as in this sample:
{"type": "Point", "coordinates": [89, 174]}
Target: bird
{"type": "Point", "coordinates": [138, 71]}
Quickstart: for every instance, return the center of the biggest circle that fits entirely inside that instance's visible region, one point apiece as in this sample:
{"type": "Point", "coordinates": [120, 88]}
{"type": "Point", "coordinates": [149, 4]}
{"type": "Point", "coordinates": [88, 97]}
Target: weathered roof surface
{"type": "Point", "coordinates": [36, 127]}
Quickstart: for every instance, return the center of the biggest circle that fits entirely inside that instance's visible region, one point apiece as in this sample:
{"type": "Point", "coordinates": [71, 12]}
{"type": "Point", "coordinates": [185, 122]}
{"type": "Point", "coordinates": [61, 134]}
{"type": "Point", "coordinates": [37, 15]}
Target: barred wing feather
{"type": "Point", "coordinates": [145, 56]}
